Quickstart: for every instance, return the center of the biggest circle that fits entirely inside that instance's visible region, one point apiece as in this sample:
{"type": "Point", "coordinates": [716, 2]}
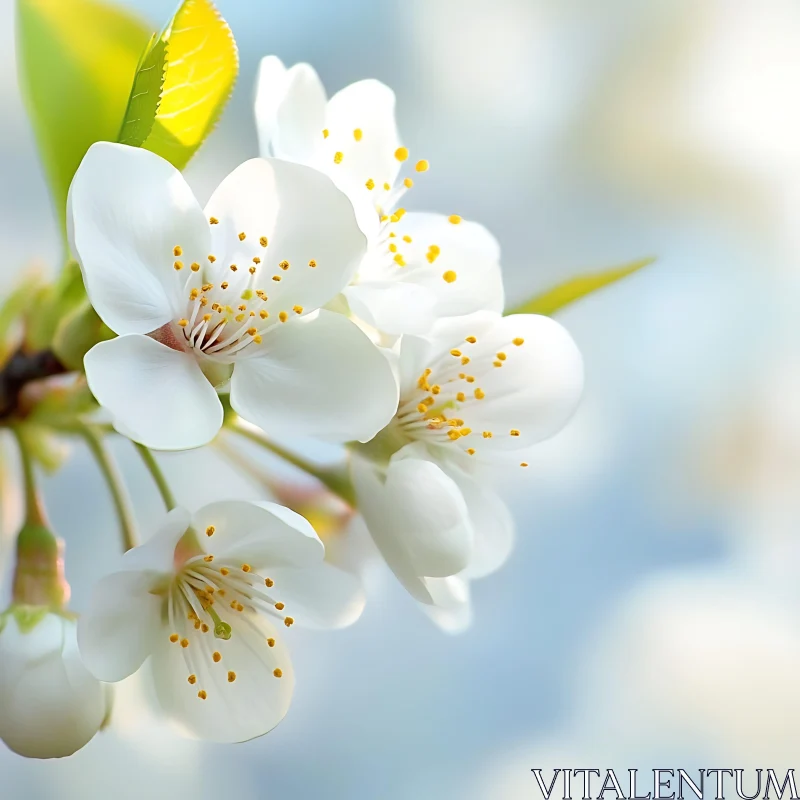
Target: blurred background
{"type": "Point", "coordinates": [650, 615]}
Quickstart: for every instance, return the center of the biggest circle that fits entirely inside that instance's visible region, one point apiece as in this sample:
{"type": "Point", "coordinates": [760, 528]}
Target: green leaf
{"type": "Point", "coordinates": [202, 65]}
{"type": "Point", "coordinates": [145, 96]}
{"type": "Point", "coordinates": [76, 63]}
{"type": "Point", "coordinates": [574, 289]}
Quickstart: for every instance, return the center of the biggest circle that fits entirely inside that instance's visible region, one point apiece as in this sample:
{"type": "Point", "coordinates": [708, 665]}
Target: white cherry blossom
{"type": "Point", "coordinates": [206, 600]}
{"type": "Point", "coordinates": [419, 266]}
{"type": "Point", "coordinates": [226, 298]}
{"type": "Point", "coordinates": [479, 391]}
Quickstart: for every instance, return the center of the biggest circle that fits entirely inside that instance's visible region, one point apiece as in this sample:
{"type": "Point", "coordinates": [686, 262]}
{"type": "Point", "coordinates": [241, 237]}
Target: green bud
{"type": "Point", "coordinates": [39, 571]}
{"type": "Point", "coordinates": [77, 333]}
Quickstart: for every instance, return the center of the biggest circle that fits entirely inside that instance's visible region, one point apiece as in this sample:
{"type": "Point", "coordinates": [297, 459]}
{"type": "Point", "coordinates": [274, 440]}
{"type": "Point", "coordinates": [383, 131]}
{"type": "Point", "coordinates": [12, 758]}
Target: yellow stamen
{"type": "Point", "coordinates": [401, 154]}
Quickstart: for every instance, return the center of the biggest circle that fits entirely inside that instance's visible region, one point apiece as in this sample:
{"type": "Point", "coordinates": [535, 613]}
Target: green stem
{"type": "Point", "coordinates": [114, 482]}
{"type": "Point", "coordinates": [34, 511]}
{"type": "Point", "coordinates": [157, 475]}
{"type": "Point", "coordinates": [335, 480]}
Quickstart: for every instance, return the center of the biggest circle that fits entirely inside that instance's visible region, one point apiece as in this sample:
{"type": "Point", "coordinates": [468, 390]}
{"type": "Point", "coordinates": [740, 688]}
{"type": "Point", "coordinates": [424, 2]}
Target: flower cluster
{"type": "Point", "coordinates": [303, 299]}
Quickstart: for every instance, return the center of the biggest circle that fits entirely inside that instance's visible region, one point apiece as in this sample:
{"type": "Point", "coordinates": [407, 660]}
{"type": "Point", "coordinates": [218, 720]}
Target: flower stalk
{"type": "Point", "coordinates": [114, 482]}
{"type": "Point", "coordinates": [334, 479]}
{"type": "Point", "coordinates": [39, 571]}
{"type": "Point", "coordinates": [158, 476]}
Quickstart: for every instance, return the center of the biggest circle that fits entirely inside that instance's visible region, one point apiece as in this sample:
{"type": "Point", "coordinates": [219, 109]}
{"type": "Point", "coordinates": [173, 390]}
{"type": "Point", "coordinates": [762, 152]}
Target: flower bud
{"type": "Point", "coordinates": [39, 572]}
{"type": "Point", "coordinates": [77, 333]}
{"type": "Point", "coordinates": [51, 705]}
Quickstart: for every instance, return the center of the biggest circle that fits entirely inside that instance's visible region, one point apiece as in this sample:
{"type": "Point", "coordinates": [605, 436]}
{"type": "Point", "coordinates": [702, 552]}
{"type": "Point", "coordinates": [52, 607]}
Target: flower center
{"type": "Point", "coordinates": [229, 306]}
{"type": "Point", "coordinates": [206, 602]}
{"type": "Point", "coordinates": [447, 404]}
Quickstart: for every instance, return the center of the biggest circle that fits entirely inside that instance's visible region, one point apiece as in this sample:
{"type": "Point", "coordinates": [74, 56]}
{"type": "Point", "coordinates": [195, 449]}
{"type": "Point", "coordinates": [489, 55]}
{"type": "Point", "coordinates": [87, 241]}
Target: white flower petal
{"type": "Point", "coordinates": [367, 106]}
{"type": "Point", "coordinates": [290, 110]}
{"type": "Point", "coordinates": [159, 395]}
{"type": "Point", "coordinates": [378, 512]}
{"type": "Point", "coordinates": [270, 93]}
{"type": "Point", "coordinates": [513, 381]}
{"type": "Point", "coordinates": [451, 609]}
{"type": "Point", "coordinates": [431, 516]}
{"type": "Point", "coordinates": [318, 376]}
{"type": "Point", "coordinates": [393, 307]}
{"type": "Point", "coordinates": [233, 711]}
{"type": "Point", "coordinates": [305, 220]}
{"type": "Point", "coordinates": [467, 254]}
{"type": "Point", "coordinates": [260, 534]}
{"type": "Point", "coordinates": [491, 521]}
{"type": "Point", "coordinates": [127, 210]}
{"type": "Point", "coordinates": [301, 116]}
{"type": "Point", "coordinates": [418, 519]}
{"type": "Point", "coordinates": [122, 624]}
{"type": "Point", "coordinates": [323, 596]}
{"type": "Point", "coordinates": [55, 706]}
{"type": "Point", "coordinates": [536, 390]}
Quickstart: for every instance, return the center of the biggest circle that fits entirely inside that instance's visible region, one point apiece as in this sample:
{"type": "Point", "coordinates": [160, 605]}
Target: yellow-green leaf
{"type": "Point", "coordinates": [202, 65]}
{"type": "Point", "coordinates": [145, 96]}
{"type": "Point", "coordinates": [562, 295]}
{"type": "Point", "coordinates": [76, 61]}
